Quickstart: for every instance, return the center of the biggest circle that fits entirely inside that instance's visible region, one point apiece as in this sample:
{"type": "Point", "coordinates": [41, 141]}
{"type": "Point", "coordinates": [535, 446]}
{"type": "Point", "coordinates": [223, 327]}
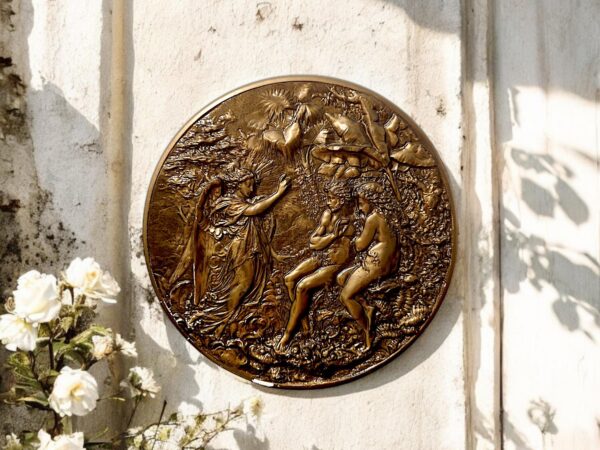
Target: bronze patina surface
{"type": "Point", "coordinates": [299, 231]}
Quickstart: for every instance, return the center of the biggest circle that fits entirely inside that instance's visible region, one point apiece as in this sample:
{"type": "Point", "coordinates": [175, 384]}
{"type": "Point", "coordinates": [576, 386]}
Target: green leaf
{"type": "Point", "coordinates": [29, 439]}
{"type": "Point", "coordinates": [39, 401]}
{"type": "Point", "coordinates": [26, 384]}
{"type": "Point", "coordinates": [79, 348]}
{"type": "Point", "coordinates": [66, 323]}
{"type": "Point", "coordinates": [76, 357]}
{"type": "Point", "coordinates": [43, 331]}
{"type": "Point", "coordinates": [47, 376]}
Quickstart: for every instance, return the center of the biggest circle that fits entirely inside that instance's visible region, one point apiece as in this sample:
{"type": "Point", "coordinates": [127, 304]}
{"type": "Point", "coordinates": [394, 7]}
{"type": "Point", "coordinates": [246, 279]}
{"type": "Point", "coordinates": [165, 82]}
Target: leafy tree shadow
{"type": "Point", "coordinates": [574, 276]}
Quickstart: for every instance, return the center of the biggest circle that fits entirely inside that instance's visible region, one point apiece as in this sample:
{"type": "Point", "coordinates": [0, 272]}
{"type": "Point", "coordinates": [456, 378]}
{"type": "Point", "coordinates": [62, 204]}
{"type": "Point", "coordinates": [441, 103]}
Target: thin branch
{"type": "Point", "coordinates": [162, 411]}
{"type": "Point", "coordinates": [135, 407]}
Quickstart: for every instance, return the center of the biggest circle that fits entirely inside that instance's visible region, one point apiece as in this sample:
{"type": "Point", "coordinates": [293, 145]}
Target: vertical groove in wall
{"type": "Point", "coordinates": [481, 196]}
{"type": "Point", "coordinates": [497, 168]}
{"type": "Point", "coordinates": [466, 18]}
{"type": "Point", "coordinates": [116, 135]}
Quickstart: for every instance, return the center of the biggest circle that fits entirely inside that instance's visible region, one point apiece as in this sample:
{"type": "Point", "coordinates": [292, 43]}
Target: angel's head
{"type": "Point", "coordinates": [243, 180]}
{"type": "Point", "coordinates": [246, 187]}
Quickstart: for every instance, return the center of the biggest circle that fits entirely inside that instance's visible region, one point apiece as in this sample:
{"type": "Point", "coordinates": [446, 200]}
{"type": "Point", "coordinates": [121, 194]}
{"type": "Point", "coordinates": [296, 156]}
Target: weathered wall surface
{"type": "Point", "coordinates": [57, 180]}
{"type": "Point", "coordinates": [92, 92]}
{"type": "Point", "coordinates": [413, 61]}
{"type": "Point", "coordinates": [547, 127]}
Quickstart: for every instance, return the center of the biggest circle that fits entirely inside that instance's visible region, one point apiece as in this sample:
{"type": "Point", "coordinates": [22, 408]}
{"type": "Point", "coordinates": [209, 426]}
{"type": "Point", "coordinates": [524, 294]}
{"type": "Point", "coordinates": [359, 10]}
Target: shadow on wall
{"type": "Point", "coordinates": [541, 414]}
{"type": "Point", "coordinates": [577, 284]}
{"type": "Point", "coordinates": [433, 15]}
{"type": "Point", "coordinates": [246, 439]}
{"type": "Point", "coordinates": [537, 50]}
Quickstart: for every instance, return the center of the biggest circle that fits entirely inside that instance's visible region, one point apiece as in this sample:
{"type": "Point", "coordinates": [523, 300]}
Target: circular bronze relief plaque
{"type": "Point", "coordinates": [299, 232]}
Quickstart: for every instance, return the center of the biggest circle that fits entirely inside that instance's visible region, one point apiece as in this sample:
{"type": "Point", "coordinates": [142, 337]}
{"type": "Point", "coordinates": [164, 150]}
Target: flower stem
{"type": "Point", "coordinates": [58, 426]}
{"type": "Point", "coordinates": [135, 406]}
{"type": "Point", "coordinates": [51, 353]}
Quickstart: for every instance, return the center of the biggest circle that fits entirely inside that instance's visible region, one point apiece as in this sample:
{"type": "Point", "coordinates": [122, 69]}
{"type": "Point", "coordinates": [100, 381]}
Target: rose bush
{"type": "Point", "coordinates": [48, 325]}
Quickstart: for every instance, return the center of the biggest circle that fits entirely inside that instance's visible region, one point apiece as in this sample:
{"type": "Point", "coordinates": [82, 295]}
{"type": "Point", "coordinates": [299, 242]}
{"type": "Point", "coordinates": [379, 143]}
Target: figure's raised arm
{"type": "Point", "coordinates": [262, 206]}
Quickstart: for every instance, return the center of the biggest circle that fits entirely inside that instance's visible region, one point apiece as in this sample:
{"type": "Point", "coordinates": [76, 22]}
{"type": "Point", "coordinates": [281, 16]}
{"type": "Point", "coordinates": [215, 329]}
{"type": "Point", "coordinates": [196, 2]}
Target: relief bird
{"type": "Point", "coordinates": [286, 140]}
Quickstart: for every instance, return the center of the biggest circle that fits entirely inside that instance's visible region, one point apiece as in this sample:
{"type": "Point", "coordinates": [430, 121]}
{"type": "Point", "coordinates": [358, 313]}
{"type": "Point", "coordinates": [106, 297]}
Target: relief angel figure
{"type": "Point", "coordinates": [232, 253]}
{"type": "Point", "coordinates": [193, 252]}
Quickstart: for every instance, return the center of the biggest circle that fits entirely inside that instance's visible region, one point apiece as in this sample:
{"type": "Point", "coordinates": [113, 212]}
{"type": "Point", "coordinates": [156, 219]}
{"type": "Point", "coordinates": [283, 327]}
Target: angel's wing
{"type": "Point", "coordinates": [203, 244]}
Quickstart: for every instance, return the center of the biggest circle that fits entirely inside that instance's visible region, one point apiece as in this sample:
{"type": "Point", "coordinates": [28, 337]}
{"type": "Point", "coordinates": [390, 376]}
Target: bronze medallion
{"type": "Point", "coordinates": [299, 232]}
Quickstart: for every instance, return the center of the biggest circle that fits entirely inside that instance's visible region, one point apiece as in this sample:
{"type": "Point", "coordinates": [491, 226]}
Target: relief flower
{"type": "Point", "coordinates": [141, 382]}
{"type": "Point", "coordinates": [87, 278]}
{"type": "Point", "coordinates": [75, 392]}
{"type": "Point", "coordinates": [17, 333]}
{"type": "Point", "coordinates": [36, 298]}
{"type": "Point", "coordinates": [62, 442]}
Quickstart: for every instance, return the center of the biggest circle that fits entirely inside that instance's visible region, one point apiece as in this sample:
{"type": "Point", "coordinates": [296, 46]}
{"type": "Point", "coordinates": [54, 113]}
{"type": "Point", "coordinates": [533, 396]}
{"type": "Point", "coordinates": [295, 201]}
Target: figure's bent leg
{"type": "Point", "coordinates": [358, 281]}
{"type": "Point", "coordinates": [300, 305]}
{"type": "Point", "coordinates": [307, 266]}
{"type": "Point", "coordinates": [342, 277]}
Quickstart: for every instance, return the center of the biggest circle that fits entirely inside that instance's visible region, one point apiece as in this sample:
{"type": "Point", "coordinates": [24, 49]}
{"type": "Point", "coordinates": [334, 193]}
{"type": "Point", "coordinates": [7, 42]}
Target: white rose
{"type": "Point", "coordinates": [75, 392]}
{"type": "Point", "coordinates": [86, 276]}
{"type": "Point", "coordinates": [103, 346]}
{"type": "Point", "coordinates": [17, 333]}
{"type": "Point", "coordinates": [36, 297]}
{"type": "Point", "coordinates": [62, 442]}
{"type": "Point", "coordinates": [126, 348]}
{"type": "Point", "coordinates": [141, 382]}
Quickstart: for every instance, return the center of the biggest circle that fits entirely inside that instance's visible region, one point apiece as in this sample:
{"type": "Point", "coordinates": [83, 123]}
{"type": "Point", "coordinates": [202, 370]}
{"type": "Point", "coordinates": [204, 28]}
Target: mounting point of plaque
{"type": "Point", "coordinates": [299, 232]}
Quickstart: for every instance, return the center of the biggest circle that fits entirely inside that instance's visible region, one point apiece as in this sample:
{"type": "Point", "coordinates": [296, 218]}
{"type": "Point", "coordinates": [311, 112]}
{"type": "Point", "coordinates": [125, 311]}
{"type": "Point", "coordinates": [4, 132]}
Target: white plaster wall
{"type": "Point", "coordinates": [411, 55]}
